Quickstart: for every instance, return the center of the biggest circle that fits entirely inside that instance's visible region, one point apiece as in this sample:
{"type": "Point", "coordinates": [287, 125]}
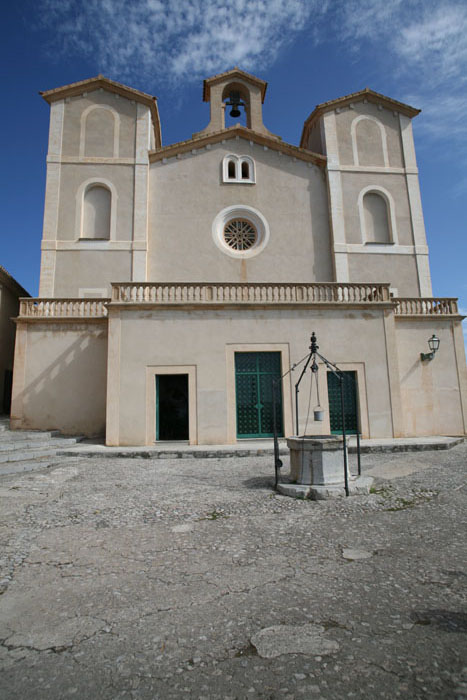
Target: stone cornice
{"type": "Point", "coordinates": [242, 132]}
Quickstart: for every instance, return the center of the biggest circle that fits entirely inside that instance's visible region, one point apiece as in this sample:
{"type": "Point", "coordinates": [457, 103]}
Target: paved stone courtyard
{"type": "Point", "coordinates": [138, 578]}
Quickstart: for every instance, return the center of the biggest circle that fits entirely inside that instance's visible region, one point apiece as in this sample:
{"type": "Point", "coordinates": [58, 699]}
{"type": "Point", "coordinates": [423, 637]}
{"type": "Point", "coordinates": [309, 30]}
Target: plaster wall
{"type": "Point", "coordinates": [201, 340]}
{"type": "Point", "coordinates": [60, 378]}
{"type": "Point", "coordinates": [187, 193]}
{"type": "Point", "coordinates": [315, 138]}
{"type": "Point", "coordinates": [76, 110]}
{"type": "Point", "coordinates": [369, 150]}
{"type": "Point", "coordinates": [8, 309]}
{"type": "Point", "coordinates": [74, 176]}
{"type": "Point", "coordinates": [353, 184]}
{"type": "Point", "coordinates": [93, 268]}
{"type": "Point", "coordinates": [430, 390]}
{"type": "Point", "coordinates": [399, 270]}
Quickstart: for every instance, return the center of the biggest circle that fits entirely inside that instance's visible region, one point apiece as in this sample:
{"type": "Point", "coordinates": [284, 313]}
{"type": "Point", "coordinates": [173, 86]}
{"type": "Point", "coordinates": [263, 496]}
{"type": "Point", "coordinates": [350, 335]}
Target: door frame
{"type": "Point", "coordinates": [230, 351]}
{"type": "Point", "coordinates": [158, 411]}
{"type": "Point", "coordinates": [151, 373]}
{"type": "Point", "coordinates": [359, 368]}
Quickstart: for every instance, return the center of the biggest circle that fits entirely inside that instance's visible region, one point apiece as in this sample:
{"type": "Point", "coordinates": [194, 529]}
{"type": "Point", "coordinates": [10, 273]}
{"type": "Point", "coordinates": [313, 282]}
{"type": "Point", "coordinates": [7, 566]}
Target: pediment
{"type": "Point", "coordinates": [234, 132]}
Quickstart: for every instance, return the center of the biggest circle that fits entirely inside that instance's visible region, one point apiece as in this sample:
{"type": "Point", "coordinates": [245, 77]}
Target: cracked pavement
{"type": "Point", "coordinates": [134, 578]}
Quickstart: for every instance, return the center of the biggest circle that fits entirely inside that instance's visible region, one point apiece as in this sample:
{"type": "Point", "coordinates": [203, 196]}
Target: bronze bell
{"type": "Point", "coordinates": [235, 102]}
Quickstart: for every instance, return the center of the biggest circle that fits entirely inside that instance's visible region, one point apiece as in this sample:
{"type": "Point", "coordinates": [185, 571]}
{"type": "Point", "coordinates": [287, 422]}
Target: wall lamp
{"type": "Point", "coordinates": [433, 344]}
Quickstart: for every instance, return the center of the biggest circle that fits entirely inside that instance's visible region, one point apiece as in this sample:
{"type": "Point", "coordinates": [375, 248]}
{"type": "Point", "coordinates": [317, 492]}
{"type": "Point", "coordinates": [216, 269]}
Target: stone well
{"type": "Point", "coordinates": [317, 469]}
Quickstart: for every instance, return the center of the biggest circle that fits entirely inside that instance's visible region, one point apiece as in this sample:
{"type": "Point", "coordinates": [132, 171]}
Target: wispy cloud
{"type": "Point", "coordinates": [436, 43]}
{"type": "Point", "coordinates": [149, 42]}
{"type": "Point", "coordinates": [427, 37]}
{"type": "Point", "coordinates": [425, 42]}
{"type": "Point", "coordinates": [174, 40]}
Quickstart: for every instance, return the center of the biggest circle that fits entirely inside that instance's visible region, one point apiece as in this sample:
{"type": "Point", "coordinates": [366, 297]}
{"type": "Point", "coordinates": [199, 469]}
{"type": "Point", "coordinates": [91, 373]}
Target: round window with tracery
{"type": "Point", "coordinates": [240, 234]}
{"type": "Point", "coordinates": [240, 231]}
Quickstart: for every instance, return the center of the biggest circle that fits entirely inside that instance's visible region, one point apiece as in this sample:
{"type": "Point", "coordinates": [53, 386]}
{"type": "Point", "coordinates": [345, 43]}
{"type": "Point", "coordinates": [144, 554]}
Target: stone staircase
{"type": "Point", "coordinates": [27, 450]}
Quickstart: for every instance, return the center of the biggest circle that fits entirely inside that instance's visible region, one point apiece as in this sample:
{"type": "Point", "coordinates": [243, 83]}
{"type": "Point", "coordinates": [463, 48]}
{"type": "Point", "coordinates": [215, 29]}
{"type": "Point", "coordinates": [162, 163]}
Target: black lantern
{"type": "Point", "coordinates": [433, 344]}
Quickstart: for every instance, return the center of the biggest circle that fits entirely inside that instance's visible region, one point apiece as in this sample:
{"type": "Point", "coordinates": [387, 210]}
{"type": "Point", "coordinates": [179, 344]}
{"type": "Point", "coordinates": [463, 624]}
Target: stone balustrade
{"type": "Point", "coordinates": [425, 307]}
{"type": "Point", "coordinates": [63, 308]}
{"type": "Point", "coordinates": [263, 293]}
{"type": "Point", "coordinates": [235, 294]}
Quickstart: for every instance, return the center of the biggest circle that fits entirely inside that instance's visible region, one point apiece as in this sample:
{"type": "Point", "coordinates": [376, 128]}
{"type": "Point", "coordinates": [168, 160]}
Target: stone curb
{"type": "Point", "coordinates": [165, 454]}
{"type": "Point", "coordinates": [142, 453]}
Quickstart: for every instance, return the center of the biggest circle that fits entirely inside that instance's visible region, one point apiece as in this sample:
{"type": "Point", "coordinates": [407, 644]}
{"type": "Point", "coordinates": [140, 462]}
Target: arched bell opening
{"type": "Point", "coordinates": [236, 99]}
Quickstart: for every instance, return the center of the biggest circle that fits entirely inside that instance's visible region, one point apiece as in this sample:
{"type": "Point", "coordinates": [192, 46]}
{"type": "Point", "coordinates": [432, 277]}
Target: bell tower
{"type": "Point", "coordinates": [237, 92]}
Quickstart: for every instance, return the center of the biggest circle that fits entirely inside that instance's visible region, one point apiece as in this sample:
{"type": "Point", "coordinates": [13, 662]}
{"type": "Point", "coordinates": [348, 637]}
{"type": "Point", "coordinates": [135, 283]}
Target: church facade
{"type": "Point", "coordinates": [178, 281]}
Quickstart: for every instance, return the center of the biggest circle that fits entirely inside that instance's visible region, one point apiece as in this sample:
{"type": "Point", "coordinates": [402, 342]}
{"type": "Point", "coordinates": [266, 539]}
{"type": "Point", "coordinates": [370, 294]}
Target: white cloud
{"type": "Point", "coordinates": [423, 43]}
{"type": "Point", "coordinates": [428, 37]}
{"type": "Point", "coordinates": [420, 47]}
{"type": "Point", "coordinates": [180, 39]}
{"type": "Point", "coordinates": [436, 43]}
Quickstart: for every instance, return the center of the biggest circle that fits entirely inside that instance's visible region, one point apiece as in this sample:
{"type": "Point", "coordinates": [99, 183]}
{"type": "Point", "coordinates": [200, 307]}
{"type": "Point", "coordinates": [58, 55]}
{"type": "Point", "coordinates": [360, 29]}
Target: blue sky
{"type": "Point", "coordinates": [413, 50]}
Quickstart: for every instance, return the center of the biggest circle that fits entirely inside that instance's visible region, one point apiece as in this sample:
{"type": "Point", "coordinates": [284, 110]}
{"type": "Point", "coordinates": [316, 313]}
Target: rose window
{"type": "Point", "coordinates": [240, 234]}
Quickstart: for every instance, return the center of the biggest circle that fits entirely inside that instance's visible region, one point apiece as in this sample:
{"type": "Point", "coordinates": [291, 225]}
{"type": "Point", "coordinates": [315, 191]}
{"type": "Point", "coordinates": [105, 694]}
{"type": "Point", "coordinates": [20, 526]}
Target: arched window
{"type": "Point", "coordinates": [238, 169]}
{"type": "Point", "coordinates": [232, 170]}
{"type": "Point", "coordinates": [96, 212]}
{"type": "Point", "coordinates": [376, 218]}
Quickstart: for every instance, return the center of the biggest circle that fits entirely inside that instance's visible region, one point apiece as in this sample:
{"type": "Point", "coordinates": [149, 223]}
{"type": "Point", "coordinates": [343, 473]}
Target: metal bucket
{"type": "Point", "coordinates": [318, 414]}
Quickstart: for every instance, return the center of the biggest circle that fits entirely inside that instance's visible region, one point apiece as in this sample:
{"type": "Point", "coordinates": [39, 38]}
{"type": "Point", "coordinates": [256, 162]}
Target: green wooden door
{"type": "Point", "coordinates": [254, 372]}
{"type": "Point", "coordinates": [350, 403]}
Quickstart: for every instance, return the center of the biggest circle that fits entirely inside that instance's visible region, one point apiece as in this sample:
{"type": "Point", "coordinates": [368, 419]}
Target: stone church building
{"type": "Point", "coordinates": [177, 281]}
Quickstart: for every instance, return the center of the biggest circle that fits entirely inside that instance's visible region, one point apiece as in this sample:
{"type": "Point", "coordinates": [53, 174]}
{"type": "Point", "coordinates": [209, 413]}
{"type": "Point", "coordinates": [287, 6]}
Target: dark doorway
{"type": "Point", "coordinates": [350, 403]}
{"type": "Point", "coordinates": [172, 407]}
{"type": "Point", "coordinates": [7, 386]}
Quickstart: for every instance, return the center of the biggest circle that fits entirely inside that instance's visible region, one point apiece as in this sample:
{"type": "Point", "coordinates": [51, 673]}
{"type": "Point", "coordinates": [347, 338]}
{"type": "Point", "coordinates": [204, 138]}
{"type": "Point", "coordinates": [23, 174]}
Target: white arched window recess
{"type": "Point", "coordinates": [238, 169]}
{"type": "Point", "coordinates": [110, 131]}
{"type": "Point", "coordinates": [382, 131]}
{"type": "Point", "coordinates": [377, 216]}
{"type": "Point", "coordinates": [96, 209]}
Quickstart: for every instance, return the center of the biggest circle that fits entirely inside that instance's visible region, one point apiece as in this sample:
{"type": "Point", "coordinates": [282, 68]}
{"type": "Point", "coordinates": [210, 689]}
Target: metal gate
{"type": "Point", "coordinates": [254, 373]}
{"type": "Point", "coordinates": [350, 402]}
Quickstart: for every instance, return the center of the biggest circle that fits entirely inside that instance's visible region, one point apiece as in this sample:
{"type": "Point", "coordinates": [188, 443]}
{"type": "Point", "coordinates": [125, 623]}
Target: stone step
{"type": "Point", "coordinates": [22, 435]}
{"type": "Point", "coordinates": [84, 450]}
{"type": "Point", "coordinates": [160, 453]}
{"type": "Point", "coordinates": [27, 455]}
{"type": "Point", "coordinates": [27, 466]}
{"type": "Point", "coordinates": [405, 444]}
{"type": "Point", "coordinates": [20, 445]}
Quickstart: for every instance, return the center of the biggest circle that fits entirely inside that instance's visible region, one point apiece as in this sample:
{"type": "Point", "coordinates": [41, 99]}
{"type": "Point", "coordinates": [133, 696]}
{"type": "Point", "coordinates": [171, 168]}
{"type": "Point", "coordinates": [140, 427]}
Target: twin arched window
{"type": "Point", "coordinates": [240, 169]}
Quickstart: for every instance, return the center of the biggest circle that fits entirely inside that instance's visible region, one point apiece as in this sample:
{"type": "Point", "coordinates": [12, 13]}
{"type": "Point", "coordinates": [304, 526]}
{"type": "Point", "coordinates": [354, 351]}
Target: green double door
{"type": "Point", "coordinates": [350, 403]}
{"type": "Point", "coordinates": [254, 374]}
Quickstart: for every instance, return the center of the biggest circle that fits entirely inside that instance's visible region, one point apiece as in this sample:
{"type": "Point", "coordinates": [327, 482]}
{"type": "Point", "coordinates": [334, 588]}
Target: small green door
{"type": "Point", "coordinates": [254, 372]}
{"type": "Point", "coordinates": [350, 403]}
